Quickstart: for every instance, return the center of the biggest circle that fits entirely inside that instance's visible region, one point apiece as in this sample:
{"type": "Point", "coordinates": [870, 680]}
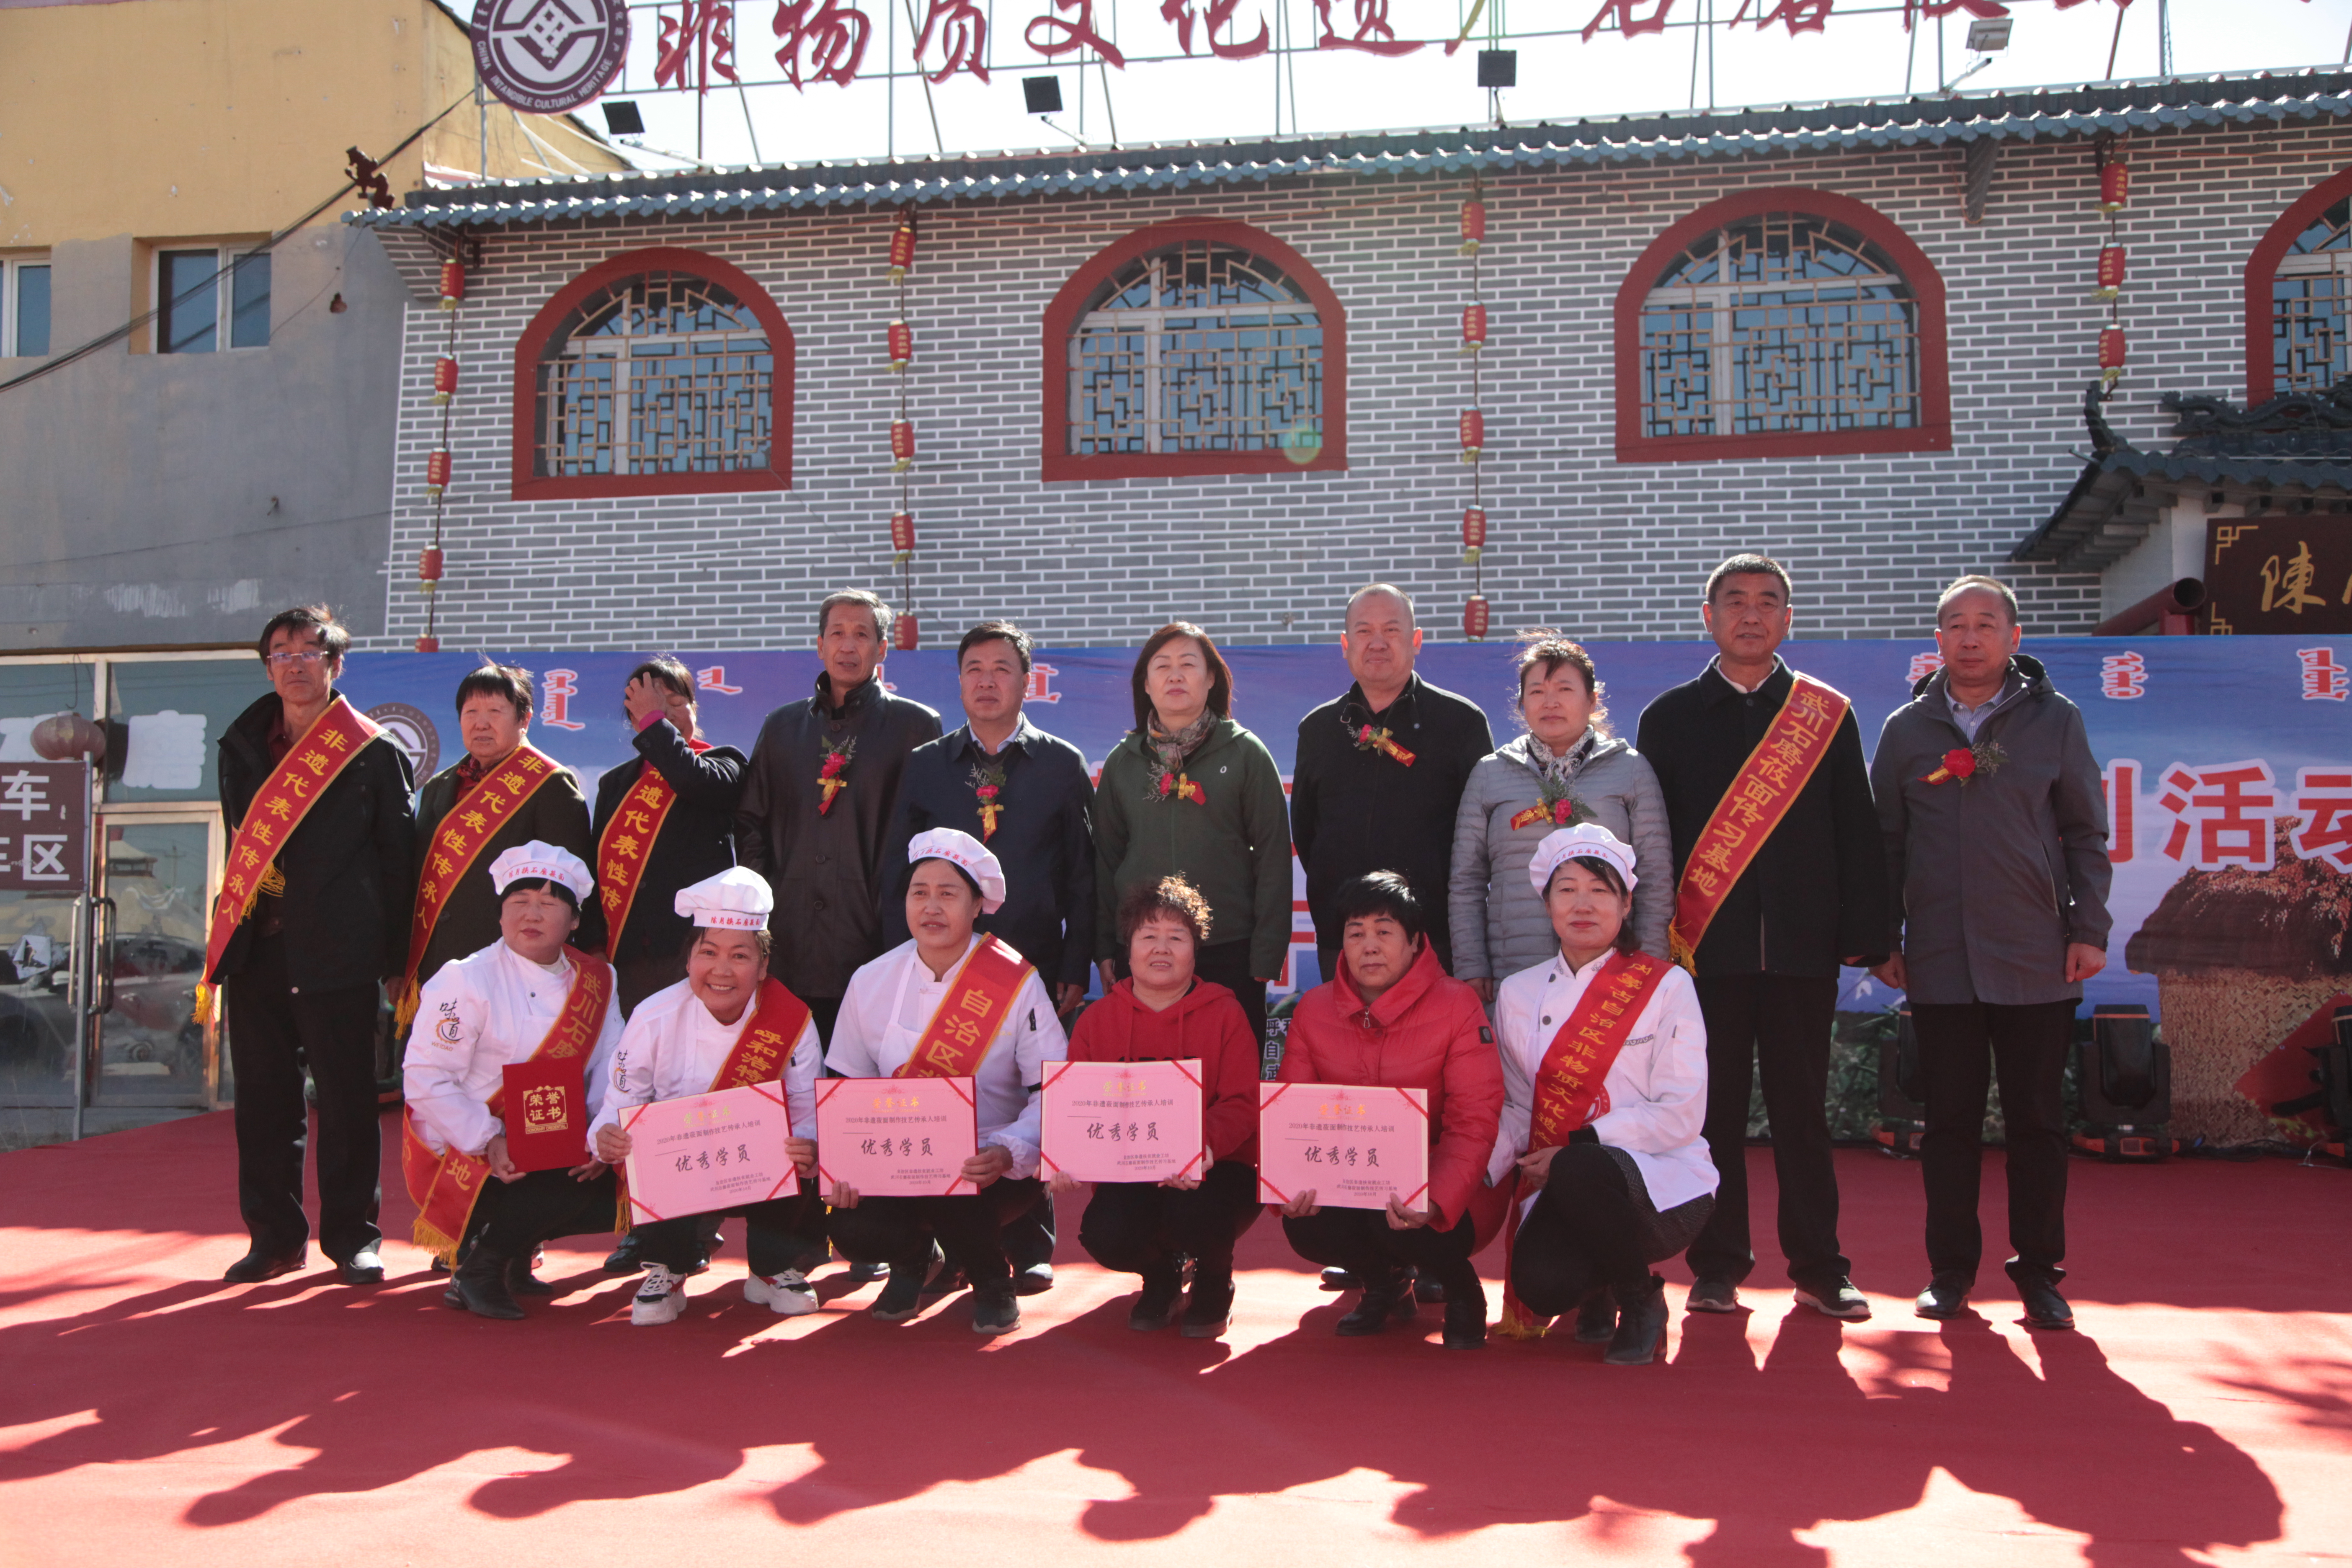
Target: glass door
{"type": "Point", "coordinates": [155, 878]}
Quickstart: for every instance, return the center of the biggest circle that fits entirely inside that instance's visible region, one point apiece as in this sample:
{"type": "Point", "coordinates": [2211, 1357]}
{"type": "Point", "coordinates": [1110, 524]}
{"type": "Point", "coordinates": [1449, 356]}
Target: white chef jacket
{"type": "Point", "coordinates": [476, 1014]}
{"type": "Point", "coordinates": [1654, 1095]}
{"type": "Point", "coordinates": [890, 1002]}
{"type": "Point", "coordinates": [672, 1047]}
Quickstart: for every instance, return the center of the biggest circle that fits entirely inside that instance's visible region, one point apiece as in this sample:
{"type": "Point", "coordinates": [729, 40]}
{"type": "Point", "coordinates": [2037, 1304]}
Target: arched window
{"type": "Point", "coordinates": [656, 372]}
{"type": "Point", "coordinates": [1197, 348]}
{"type": "Point", "coordinates": [2299, 296]}
{"type": "Point", "coordinates": [1780, 323]}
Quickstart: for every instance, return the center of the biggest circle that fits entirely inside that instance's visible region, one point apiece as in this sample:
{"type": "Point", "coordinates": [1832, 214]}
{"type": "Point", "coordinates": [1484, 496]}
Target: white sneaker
{"type": "Point", "coordinates": [787, 1294]}
{"type": "Point", "coordinates": [660, 1299]}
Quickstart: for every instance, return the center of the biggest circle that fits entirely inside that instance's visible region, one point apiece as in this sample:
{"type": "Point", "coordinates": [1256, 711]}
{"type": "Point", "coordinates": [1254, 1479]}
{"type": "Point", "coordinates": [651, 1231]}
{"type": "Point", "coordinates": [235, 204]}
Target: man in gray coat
{"type": "Point", "coordinates": [1996, 829]}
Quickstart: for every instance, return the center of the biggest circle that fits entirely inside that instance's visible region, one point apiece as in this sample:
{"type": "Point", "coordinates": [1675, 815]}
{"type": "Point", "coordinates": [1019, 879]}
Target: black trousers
{"type": "Point", "coordinates": [775, 1234]}
{"type": "Point", "coordinates": [968, 1228]}
{"type": "Point", "coordinates": [1227, 964]}
{"type": "Point", "coordinates": [1779, 1025]}
{"type": "Point", "coordinates": [513, 1219]}
{"type": "Point", "coordinates": [2027, 1046]}
{"type": "Point", "coordinates": [1360, 1241]}
{"type": "Point", "coordinates": [273, 1034]}
{"type": "Point", "coordinates": [1133, 1227]}
{"type": "Point", "coordinates": [1581, 1235]}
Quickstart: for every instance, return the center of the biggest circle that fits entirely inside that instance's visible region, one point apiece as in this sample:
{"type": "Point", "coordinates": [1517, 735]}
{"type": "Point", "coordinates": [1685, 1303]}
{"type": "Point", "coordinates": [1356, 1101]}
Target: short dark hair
{"type": "Point", "coordinates": [1608, 873]}
{"type": "Point", "coordinates": [1221, 674]}
{"type": "Point", "coordinates": [873, 602]}
{"type": "Point", "coordinates": [542, 884]}
{"type": "Point", "coordinates": [1171, 896]}
{"type": "Point", "coordinates": [1975, 583]}
{"type": "Point", "coordinates": [995, 631]}
{"type": "Point", "coordinates": [498, 681]}
{"type": "Point", "coordinates": [664, 670]}
{"type": "Point", "coordinates": [766, 939]}
{"type": "Point", "coordinates": [1380, 893]}
{"type": "Point", "coordinates": [1550, 650]}
{"type": "Point", "coordinates": [1748, 563]}
{"type": "Point", "coordinates": [314, 619]}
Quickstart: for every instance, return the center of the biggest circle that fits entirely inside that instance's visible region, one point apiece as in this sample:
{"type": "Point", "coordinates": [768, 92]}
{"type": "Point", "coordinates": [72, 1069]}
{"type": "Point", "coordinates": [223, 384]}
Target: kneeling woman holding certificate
{"type": "Point", "coordinates": [1163, 1012]}
{"type": "Point", "coordinates": [726, 1025]}
{"type": "Point", "coordinates": [948, 1004]}
{"type": "Point", "coordinates": [1393, 1018]}
{"type": "Point", "coordinates": [1604, 1068]}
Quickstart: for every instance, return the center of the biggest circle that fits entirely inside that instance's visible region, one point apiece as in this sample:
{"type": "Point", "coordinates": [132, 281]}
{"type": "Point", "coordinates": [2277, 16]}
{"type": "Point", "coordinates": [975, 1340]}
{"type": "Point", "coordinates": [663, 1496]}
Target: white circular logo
{"type": "Point", "coordinates": [545, 56]}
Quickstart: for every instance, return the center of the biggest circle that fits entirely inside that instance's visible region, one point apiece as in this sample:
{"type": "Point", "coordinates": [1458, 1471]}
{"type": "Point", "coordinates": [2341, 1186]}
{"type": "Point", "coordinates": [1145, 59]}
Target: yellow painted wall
{"type": "Point", "coordinates": [170, 117]}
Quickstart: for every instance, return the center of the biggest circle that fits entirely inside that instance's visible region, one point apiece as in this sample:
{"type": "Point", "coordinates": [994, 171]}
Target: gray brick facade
{"type": "Point", "coordinates": [1579, 540]}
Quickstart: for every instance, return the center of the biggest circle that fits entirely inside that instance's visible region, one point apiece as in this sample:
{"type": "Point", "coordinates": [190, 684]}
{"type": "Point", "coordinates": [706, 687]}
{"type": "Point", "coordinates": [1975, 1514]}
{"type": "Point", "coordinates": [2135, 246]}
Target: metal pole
{"type": "Point", "coordinates": [77, 1008]}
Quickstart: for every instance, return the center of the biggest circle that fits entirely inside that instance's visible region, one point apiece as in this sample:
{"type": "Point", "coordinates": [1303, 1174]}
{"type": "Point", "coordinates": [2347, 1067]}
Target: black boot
{"type": "Point", "coordinates": [1465, 1312]}
{"type": "Point", "coordinates": [1385, 1296]}
{"type": "Point", "coordinates": [522, 1281]}
{"type": "Point", "coordinates": [1209, 1311]}
{"type": "Point", "coordinates": [1596, 1320]}
{"type": "Point", "coordinates": [480, 1284]}
{"type": "Point", "coordinates": [1162, 1285]}
{"type": "Point", "coordinates": [902, 1293]}
{"type": "Point", "coordinates": [1641, 1324]}
{"type": "Point", "coordinates": [625, 1258]}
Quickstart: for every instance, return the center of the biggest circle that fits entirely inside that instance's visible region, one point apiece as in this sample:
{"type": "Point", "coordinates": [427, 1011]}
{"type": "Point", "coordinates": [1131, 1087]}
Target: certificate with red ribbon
{"type": "Point", "coordinates": [895, 1137]}
{"type": "Point", "coordinates": [703, 1154]}
{"type": "Point", "coordinates": [1121, 1122]}
{"type": "Point", "coordinates": [1355, 1147]}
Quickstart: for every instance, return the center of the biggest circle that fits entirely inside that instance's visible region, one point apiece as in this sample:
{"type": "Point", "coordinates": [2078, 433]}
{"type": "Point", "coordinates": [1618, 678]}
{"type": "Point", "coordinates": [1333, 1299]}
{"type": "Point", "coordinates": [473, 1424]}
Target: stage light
{"type": "Point", "coordinates": [1043, 94]}
{"type": "Point", "coordinates": [1498, 67]}
{"type": "Point", "coordinates": [1989, 34]}
{"type": "Point", "coordinates": [622, 119]}
{"type": "Point", "coordinates": [2125, 1075]}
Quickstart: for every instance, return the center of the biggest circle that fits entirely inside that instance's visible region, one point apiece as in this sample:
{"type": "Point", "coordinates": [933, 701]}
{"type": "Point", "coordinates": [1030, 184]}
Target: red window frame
{"type": "Point", "coordinates": [1058, 463]}
{"type": "Point", "coordinates": [525, 485]}
{"type": "Point", "coordinates": [2262, 272]}
{"type": "Point", "coordinates": [1932, 434]}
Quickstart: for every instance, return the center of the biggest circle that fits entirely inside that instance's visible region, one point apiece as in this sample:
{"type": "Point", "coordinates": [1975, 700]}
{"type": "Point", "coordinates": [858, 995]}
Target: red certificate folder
{"type": "Point", "coordinates": [546, 1114]}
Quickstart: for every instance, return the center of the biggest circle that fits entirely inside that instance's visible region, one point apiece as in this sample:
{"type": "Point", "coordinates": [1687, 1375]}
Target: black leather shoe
{"type": "Point", "coordinates": [1946, 1296]}
{"type": "Point", "coordinates": [1162, 1287]}
{"type": "Point", "coordinates": [623, 1259]}
{"type": "Point", "coordinates": [522, 1281]}
{"type": "Point", "coordinates": [1033, 1281]}
{"type": "Point", "coordinates": [480, 1285]}
{"type": "Point", "coordinates": [1209, 1311]}
{"type": "Point", "coordinates": [1596, 1321]}
{"type": "Point", "coordinates": [1339, 1280]}
{"type": "Point", "coordinates": [256, 1266]}
{"type": "Point", "coordinates": [1382, 1300]}
{"type": "Point", "coordinates": [1466, 1319]}
{"type": "Point", "coordinates": [1641, 1325]}
{"type": "Point", "coordinates": [1428, 1292]}
{"type": "Point", "coordinates": [365, 1267]}
{"type": "Point", "coordinates": [2045, 1308]}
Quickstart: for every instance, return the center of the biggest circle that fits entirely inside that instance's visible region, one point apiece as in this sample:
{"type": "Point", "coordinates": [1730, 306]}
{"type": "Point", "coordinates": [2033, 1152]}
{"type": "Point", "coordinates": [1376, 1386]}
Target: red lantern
{"type": "Point", "coordinates": [445, 380]}
{"type": "Point", "coordinates": [902, 344]}
{"type": "Point", "coordinates": [1474, 326]}
{"type": "Point", "coordinates": [1474, 532]}
{"type": "Point", "coordinates": [428, 565]}
{"type": "Point", "coordinates": [1473, 435]}
{"type": "Point", "coordinates": [902, 533]}
{"type": "Point", "coordinates": [2111, 354]}
{"type": "Point", "coordinates": [453, 284]}
{"type": "Point", "coordinates": [1473, 617]}
{"type": "Point", "coordinates": [2115, 186]}
{"type": "Point", "coordinates": [436, 473]}
{"type": "Point", "coordinates": [902, 249]}
{"type": "Point", "coordinates": [63, 737]}
{"type": "Point", "coordinates": [1473, 226]}
{"type": "Point", "coordinates": [902, 444]}
{"type": "Point", "coordinates": [428, 645]}
{"type": "Point", "coordinates": [903, 632]}
{"type": "Point", "coordinates": [2111, 271]}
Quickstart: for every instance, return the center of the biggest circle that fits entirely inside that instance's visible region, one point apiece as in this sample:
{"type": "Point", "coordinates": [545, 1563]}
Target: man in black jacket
{"type": "Point", "coordinates": [1813, 897]}
{"type": "Point", "coordinates": [1380, 771]}
{"type": "Point", "coordinates": [694, 839]}
{"type": "Point", "coordinates": [817, 798]}
{"type": "Point", "coordinates": [301, 971]}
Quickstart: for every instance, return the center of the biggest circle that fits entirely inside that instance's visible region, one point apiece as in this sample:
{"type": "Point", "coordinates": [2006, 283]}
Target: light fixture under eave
{"type": "Point", "coordinates": [1989, 33]}
{"type": "Point", "coordinates": [1498, 67]}
{"type": "Point", "coordinates": [622, 119]}
{"type": "Point", "coordinates": [1042, 94]}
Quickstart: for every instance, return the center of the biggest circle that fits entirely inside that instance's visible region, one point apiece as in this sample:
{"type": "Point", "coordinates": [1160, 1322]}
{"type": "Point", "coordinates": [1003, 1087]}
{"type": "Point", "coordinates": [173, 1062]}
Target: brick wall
{"type": "Point", "coordinates": [1578, 540]}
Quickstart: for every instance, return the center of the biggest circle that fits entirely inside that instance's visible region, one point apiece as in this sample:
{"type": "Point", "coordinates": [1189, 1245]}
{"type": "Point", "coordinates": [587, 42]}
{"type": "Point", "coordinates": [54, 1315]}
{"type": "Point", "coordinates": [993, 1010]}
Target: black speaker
{"type": "Point", "coordinates": [2124, 1074]}
{"type": "Point", "coordinates": [1902, 1091]}
{"type": "Point", "coordinates": [1498, 67]}
{"type": "Point", "coordinates": [2331, 1069]}
{"type": "Point", "coordinates": [1043, 94]}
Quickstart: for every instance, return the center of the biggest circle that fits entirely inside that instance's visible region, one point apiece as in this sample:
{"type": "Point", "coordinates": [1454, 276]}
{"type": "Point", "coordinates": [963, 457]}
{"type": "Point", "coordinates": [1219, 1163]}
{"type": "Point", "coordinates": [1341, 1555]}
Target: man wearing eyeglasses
{"type": "Point", "coordinates": [313, 912]}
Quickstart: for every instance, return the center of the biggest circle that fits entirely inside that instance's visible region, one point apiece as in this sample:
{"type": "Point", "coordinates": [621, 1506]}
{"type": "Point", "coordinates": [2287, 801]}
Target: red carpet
{"type": "Point", "coordinates": [2202, 1413]}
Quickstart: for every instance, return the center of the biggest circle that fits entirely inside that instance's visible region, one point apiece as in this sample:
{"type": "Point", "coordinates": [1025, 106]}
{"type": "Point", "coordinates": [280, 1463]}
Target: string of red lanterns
{"type": "Point", "coordinates": [900, 343]}
{"type": "Point", "coordinates": [437, 466]}
{"type": "Point", "coordinates": [1472, 430]}
{"type": "Point", "coordinates": [2115, 195]}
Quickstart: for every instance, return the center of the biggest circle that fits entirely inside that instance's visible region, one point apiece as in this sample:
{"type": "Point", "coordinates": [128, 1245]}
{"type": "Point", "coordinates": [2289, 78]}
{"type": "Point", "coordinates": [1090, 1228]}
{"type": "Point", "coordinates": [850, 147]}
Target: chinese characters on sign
{"type": "Point", "coordinates": [1121, 1122]}
{"type": "Point", "coordinates": [2289, 575]}
{"type": "Point", "coordinates": [708, 1152]}
{"type": "Point", "coordinates": [895, 1137]}
{"type": "Point", "coordinates": [1352, 1147]}
{"type": "Point", "coordinates": [43, 827]}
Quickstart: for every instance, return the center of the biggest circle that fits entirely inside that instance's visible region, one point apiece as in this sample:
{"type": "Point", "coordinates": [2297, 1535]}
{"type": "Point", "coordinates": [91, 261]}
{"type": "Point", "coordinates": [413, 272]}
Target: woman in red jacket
{"type": "Point", "coordinates": [1162, 1012]}
{"type": "Point", "coordinates": [1393, 1018]}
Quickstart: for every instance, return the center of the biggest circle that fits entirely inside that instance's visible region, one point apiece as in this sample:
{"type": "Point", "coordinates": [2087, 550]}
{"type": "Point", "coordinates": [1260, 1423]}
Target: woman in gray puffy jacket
{"type": "Point", "coordinates": [1568, 768]}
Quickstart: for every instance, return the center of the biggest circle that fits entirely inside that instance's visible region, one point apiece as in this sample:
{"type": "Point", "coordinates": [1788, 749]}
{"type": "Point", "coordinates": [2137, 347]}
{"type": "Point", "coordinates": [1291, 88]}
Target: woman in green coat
{"type": "Point", "coordinates": [1190, 792]}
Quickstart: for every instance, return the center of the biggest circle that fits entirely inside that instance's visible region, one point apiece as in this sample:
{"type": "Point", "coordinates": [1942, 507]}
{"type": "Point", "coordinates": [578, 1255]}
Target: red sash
{"type": "Point", "coordinates": [767, 1043]}
{"type": "Point", "coordinates": [961, 1031]}
{"type": "Point", "coordinates": [446, 1186]}
{"type": "Point", "coordinates": [1766, 787]}
{"type": "Point", "coordinates": [315, 761]}
{"type": "Point", "coordinates": [627, 842]}
{"type": "Point", "coordinates": [1569, 1084]}
{"type": "Point", "coordinates": [479, 816]}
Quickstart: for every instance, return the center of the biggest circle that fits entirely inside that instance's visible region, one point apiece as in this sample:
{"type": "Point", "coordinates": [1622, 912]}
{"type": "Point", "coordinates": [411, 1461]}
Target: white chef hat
{"type": "Point", "coordinates": [961, 850]}
{"type": "Point", "coordinates": [735, 899]}
{"type": "Point", "coordinates": [547, 862]}
{"type": "Point", "coordinates": [1585, 841]}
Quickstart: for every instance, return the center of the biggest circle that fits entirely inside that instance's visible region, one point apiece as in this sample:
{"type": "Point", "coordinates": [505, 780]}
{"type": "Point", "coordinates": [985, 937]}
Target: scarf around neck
{"type": "Point", "coordinates": [1561, 767]}
{"type": "Point", "coordinates": [1172, 750]}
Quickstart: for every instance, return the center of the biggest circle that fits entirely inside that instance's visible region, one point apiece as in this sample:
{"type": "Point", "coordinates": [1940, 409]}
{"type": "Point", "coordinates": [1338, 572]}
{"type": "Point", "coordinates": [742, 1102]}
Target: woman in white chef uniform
{"type": "Point", "coordinates": [890, 1005]}
{"type": "Point", "coordinates": [1633, 1183]}
{"type": "Point", "coordinates": [677, 1043]}
{"type": "Point", "coordinates": [484, 1012]}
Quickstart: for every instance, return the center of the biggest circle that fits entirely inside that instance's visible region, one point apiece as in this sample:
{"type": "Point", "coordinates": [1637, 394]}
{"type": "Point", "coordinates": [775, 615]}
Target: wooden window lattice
{"type": "Point", "coordinates": [663, 372]}
{"type": "Point", "coordinates": [2311, 300]}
